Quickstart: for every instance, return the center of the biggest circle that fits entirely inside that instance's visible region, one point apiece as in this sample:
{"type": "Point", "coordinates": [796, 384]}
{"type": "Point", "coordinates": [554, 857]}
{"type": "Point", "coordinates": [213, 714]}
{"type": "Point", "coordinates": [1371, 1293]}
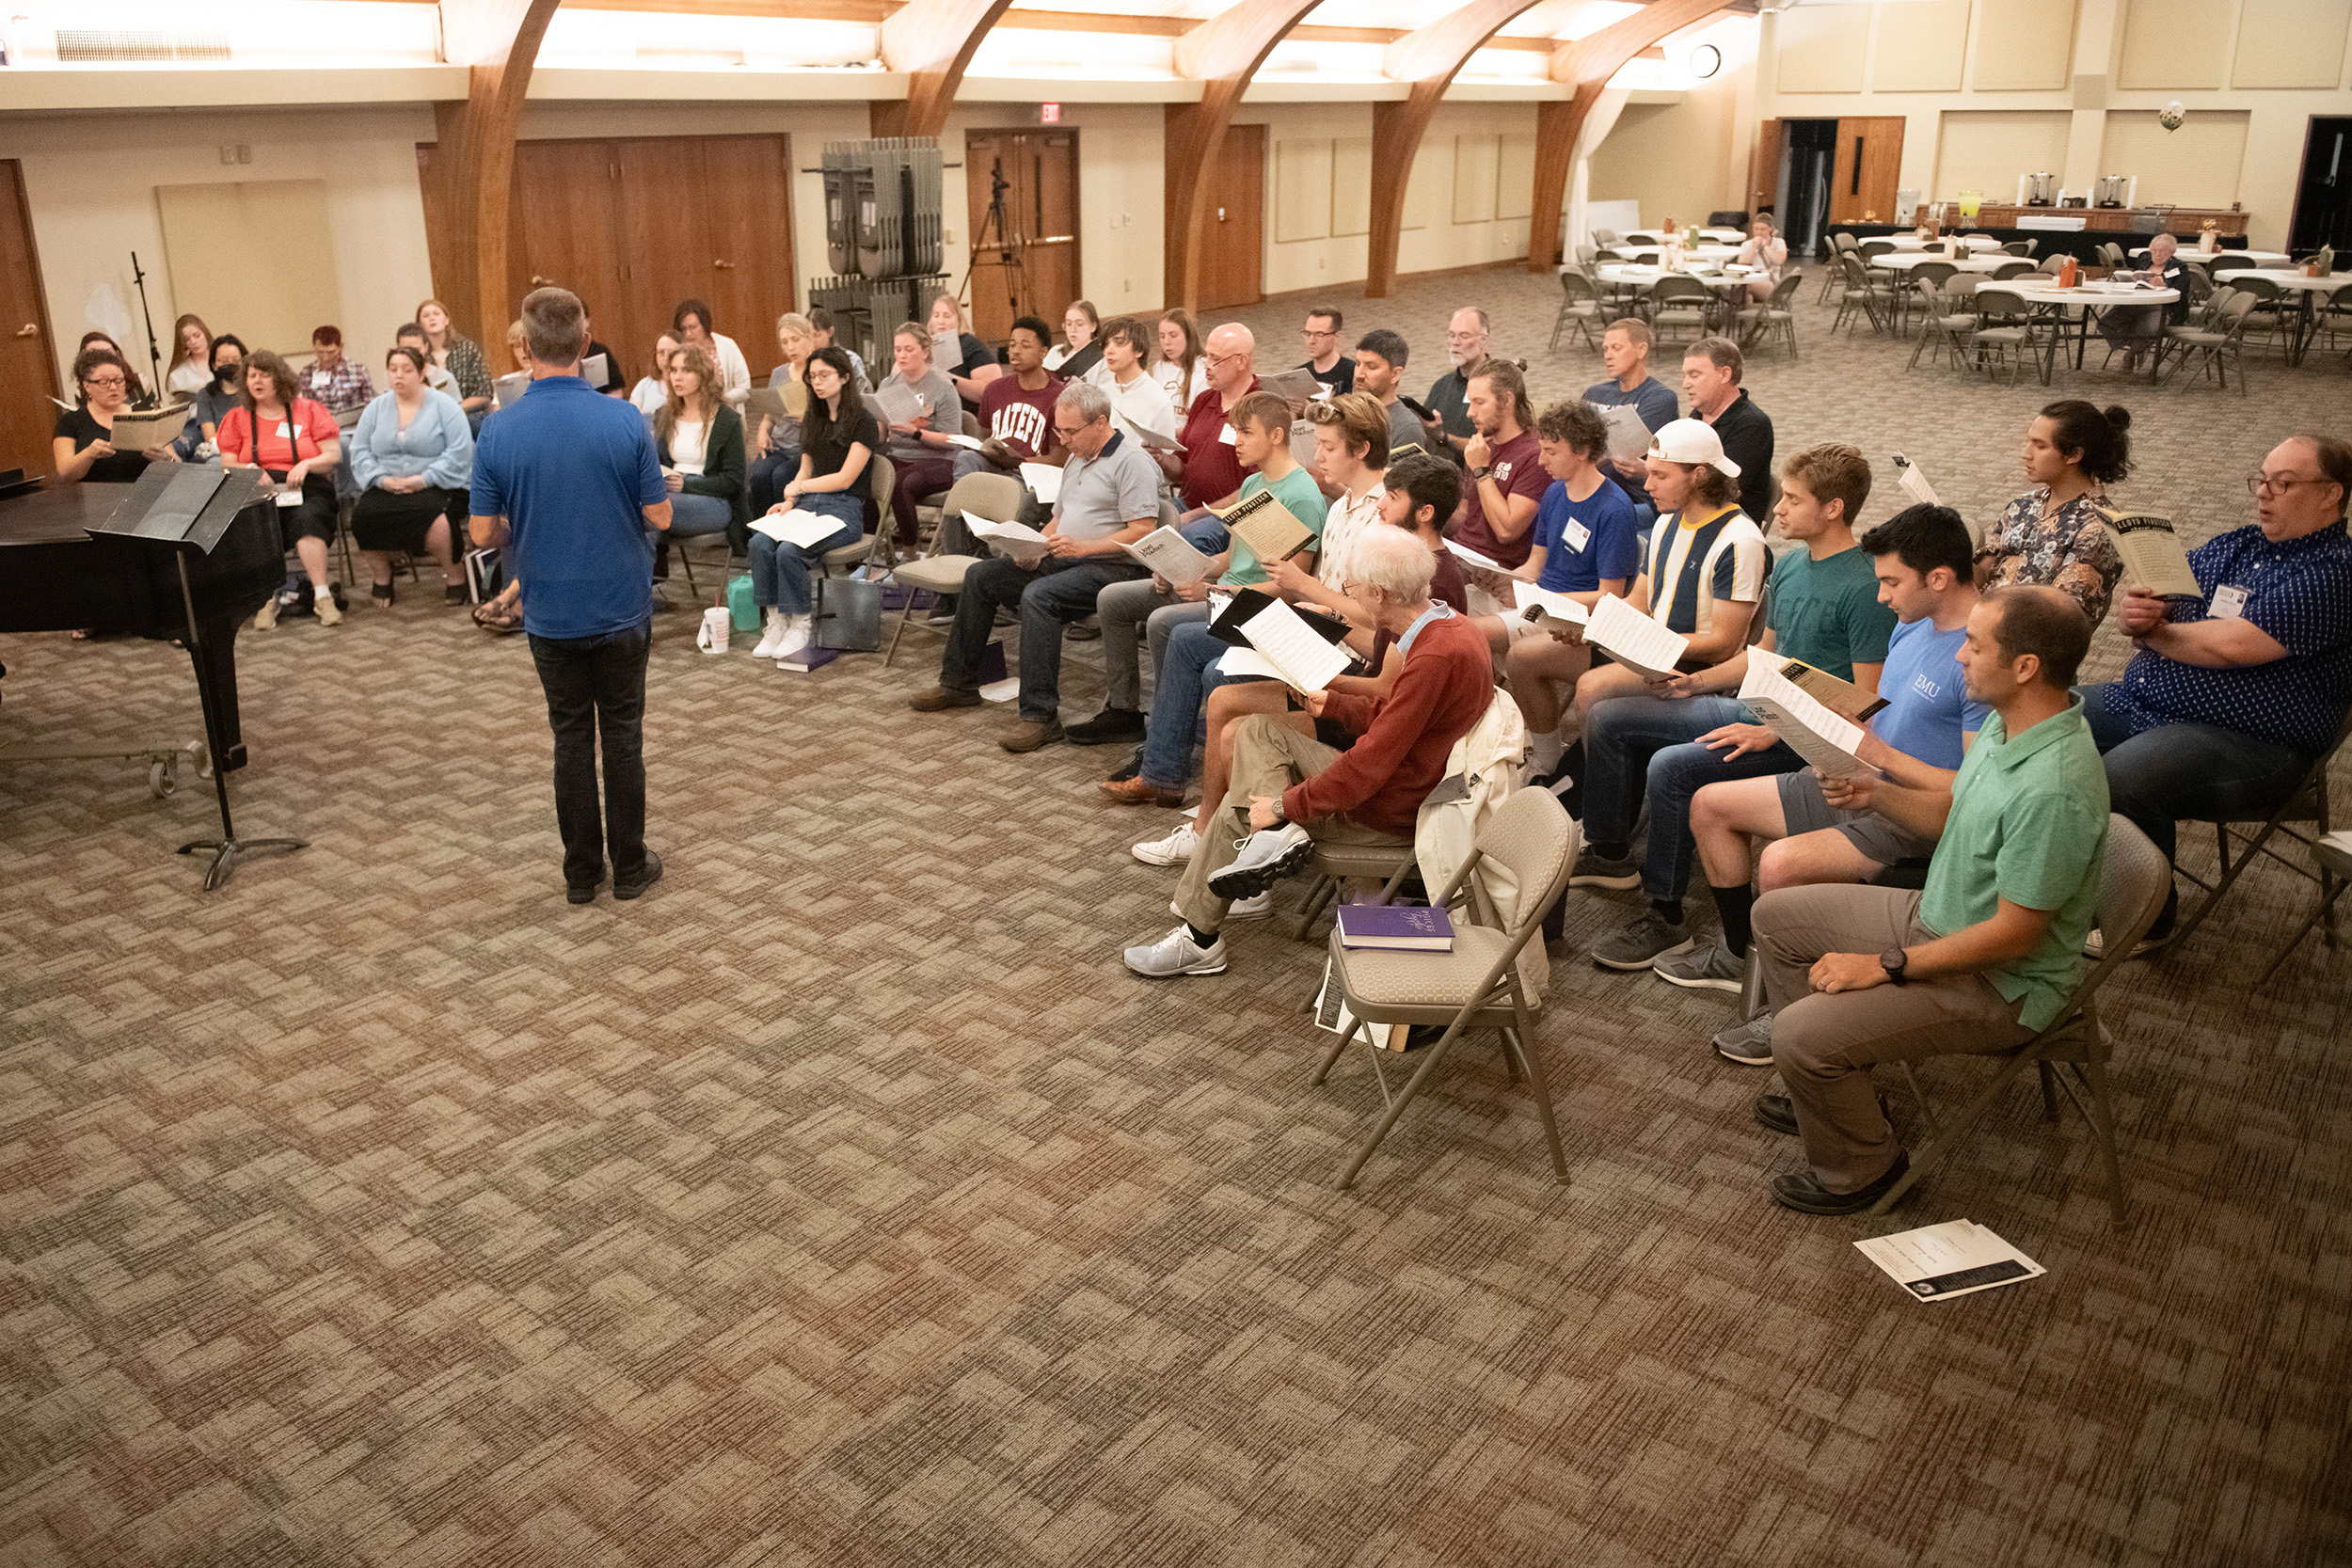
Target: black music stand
{"type": "Point", "coordinates": [181, 508]}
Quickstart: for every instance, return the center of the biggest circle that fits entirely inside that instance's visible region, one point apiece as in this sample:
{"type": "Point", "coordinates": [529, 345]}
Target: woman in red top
{"type": "Point", "coordinates": [298, 446]}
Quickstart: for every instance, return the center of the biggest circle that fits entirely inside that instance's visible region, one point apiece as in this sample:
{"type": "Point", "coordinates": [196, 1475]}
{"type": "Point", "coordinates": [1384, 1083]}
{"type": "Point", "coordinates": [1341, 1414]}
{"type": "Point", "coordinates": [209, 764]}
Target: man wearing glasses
{"type": "Point", "coordinates": [1207, 473]}
{"type": "Point", "coordinates": [1449, 395]}
{"type": "Point", "coordinates": [2231, 698]}
{"type": "Point", "coordinates": [1325, 361]}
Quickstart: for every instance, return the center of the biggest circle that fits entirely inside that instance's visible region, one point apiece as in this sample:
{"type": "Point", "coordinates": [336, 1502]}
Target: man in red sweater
{"type": "Point", "coordinates": [1290, 790]}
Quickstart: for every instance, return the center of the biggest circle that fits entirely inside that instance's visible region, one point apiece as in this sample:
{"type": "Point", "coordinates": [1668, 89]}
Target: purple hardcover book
{"type": "Point", "coordinates": [1407, 928]}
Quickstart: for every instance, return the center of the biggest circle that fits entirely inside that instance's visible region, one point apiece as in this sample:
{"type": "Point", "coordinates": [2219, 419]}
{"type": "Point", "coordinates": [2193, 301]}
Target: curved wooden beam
{"type": "Point", "coordinates": [1222, 53]}
{"type": "Point", "coordinates": [498, 42]}
{"type": "Point", "coordinates": [1587, 63]}
{"type": "Point", "coordinates": [1428, 57]}
{"type": "Point", "coordinates": [933, 41]}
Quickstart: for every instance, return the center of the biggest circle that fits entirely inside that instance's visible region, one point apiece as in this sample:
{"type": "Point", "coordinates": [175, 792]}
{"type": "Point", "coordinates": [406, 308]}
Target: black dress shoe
{"type": "Point", "coordinates": [1777, 1113]}
{"type": "Point", "coordinates": [645, 878]}
{"type": "Point", "coordinates": [1110, 725]}
{"type": "Point", "coordinates": [1798, 1190]}
{"type": "Point", "coordinates": [583, 892]}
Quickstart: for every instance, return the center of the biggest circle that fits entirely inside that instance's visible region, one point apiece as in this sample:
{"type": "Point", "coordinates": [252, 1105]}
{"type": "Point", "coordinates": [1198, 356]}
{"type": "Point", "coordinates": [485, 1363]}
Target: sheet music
{"type": "Point", "coordinates": [899, 402]}
{"type": "Point", "coordinates": [1634, 639]}
{"type": "Point", "coordinates": [1294, 388]}
{"type": "Point", "coordinates": [596, 369]}
{"type": "Point", "coordinates": [1629, 438]}
{"type": "Point", "coordinates": [1266, 525]}
{"type": "Point", "coordinates": [808, 530]}
{"type": "Point", "coordinates": [1171, 555]}
{"type": "Point", "coordinates": [1812, 731]}
{"type": "Point", "coordinates": [957, 438]}
{"type": "Point", "coordinates": [946, 349]}
{"type": "Point", "coordinates": [1540, 604]}
{"type": "Point", "coordinates": [2152, 553]}
{"type": "Point", "coordinates": [1151, 440]}
{"type": "Point", "coordinates": [1019, 541]}
{"type": "Point", "coordinates": [1043, 480]}
{"type": "Point", "coordinates": [765, 403]}
{"type": "Point", "coordinates": [1842, 698]}
{"type": "Point", "coordinates": [1912, 482]}
{"type": "Point", "coordinates": [1476, 560]}
{"type": "Point", "coordinates": [1297, 654]}
{"type": "Point", "coordinates": [154, 427]}
{"type": "Point", "coordinates": [506, 389]}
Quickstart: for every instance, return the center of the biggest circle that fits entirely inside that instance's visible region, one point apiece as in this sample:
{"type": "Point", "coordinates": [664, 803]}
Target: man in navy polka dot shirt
{"type": "Point", "coordinates": [2231, 698]}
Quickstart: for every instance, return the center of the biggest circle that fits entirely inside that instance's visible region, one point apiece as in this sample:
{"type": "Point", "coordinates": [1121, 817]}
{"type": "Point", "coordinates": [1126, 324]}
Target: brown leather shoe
{"type": "Point", "coordinates": [1135, 792]}
{"type": "Point", "coordinates": [1030, 734]}
{"type": "Point", "coordinates": [940, 697]}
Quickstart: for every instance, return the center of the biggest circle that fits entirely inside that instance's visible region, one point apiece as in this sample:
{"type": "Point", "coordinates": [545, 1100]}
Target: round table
{"type": "Point", "coordinates": [1903, 260]}
{"type": "Point", "coordinates": [2088, 299]}
{"type": "Point", "coordinates": [1966, 242]}
{"type": "Point", "coordinates": [1703, 252]}
{"type": "Point", "coordinates": [1640, 280]}
{"type": "Point", "coordinates": [2190, 253]}
{"type": "Point", "coordinates": [2308, 291]}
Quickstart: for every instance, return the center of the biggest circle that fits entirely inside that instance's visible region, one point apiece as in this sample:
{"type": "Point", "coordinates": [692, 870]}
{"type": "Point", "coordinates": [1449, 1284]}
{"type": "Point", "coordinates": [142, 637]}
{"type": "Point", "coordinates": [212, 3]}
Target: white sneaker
{"type": "Point", "coordinates": [796, 635]}
{"type": "Point", "coordinates": [1175, 849]}
{"type": "Point", "coordinates": [1265, 857]}
{"type": "Point", "coordinates": [1240, 909]}
{"type": "Point", "coordinates": [1177, 954]}
{"type": "Point", "coordinates": [773, 637]}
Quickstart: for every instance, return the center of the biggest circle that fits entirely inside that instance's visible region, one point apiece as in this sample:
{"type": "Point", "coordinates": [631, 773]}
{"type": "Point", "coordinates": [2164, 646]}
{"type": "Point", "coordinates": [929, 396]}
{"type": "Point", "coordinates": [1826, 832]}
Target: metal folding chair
{"type": "Point", "coordinates": [2306, 803]}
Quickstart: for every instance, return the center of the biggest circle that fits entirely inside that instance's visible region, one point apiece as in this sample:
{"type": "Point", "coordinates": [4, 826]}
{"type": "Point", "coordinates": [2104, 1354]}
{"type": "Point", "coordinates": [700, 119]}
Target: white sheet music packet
{"type": "Point", "coordinates": [1634, 639]}
{"type": "Point", "coordinates": [1171, 555]}
{"type": "Point", "coordinates": [1019, 541]}
{"type": "Point", "coordinates": [1297, 654]}
{"type": "Point", "coordinates": [1912, 483]}
{"type": "Point", "coordinates": [1811, 729]}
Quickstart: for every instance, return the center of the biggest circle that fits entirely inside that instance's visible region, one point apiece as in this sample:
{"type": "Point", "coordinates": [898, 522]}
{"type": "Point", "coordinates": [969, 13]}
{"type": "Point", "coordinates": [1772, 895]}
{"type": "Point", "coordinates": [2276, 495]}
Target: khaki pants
{"type": "Point", "coordinates": [1824, 1045]}
{"type": "Point", "coordinates": [1268, 757]}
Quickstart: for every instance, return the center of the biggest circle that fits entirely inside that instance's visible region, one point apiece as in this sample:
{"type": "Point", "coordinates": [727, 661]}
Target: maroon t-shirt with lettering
{"type": "Point", "coordinates": [1212, 471]}
{"type": "Point", "coordinates": [1023, 419]}
{"type": "Point", "coordinates": [1518, 471]}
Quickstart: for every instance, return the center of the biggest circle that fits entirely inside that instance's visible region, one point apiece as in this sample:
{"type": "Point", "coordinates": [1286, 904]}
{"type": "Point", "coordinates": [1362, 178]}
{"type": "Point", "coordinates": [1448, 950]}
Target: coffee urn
{"type": "Point", "coordinates": [2041, 189]}
{"type": "Point", "coordinates": [2113, 190]}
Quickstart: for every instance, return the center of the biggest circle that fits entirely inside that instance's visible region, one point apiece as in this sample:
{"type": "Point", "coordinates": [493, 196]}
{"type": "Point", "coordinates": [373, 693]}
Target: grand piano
{"type": "Point", "coordinates": [186, 553]}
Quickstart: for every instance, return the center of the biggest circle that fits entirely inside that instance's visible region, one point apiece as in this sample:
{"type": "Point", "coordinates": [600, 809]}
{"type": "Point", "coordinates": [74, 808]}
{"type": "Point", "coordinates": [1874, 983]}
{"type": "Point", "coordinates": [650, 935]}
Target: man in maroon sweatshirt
{"type": "Point", "coordinates": [1290, 790]}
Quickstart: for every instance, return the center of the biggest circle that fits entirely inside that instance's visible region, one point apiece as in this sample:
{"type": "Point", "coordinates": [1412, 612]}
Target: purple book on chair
{"type": "Point", "coordinates": [1401, 928]}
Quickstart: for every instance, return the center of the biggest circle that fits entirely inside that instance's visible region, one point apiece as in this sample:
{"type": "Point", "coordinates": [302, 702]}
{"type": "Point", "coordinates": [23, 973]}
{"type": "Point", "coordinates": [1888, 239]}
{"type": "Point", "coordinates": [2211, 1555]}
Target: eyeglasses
{"type": "Point", "coordinates": [2263, 484]}
{"type": "Point", "coordinates": [1311, 332]}
{"type": "Point", "coordinates": [105, 381]}
{"type": "Point", "coordinates": [1222, 358]}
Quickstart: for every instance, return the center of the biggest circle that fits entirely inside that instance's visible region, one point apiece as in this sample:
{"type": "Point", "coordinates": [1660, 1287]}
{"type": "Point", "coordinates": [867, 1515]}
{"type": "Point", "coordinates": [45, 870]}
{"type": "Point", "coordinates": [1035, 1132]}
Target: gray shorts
{"type": "Point", "coordinates": [1874, 837]}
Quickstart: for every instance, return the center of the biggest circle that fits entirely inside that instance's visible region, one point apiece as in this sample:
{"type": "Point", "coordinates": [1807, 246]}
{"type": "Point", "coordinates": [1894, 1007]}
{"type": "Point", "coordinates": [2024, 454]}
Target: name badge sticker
{"type": "Point", "coordinates": [2229, 602]}
{"type": "Point", "coordinates": [1577, 534]}
{"type": "Point", "coordinates": [1226, 435]}
{"type": "Point", "coordinates": [285, 430]}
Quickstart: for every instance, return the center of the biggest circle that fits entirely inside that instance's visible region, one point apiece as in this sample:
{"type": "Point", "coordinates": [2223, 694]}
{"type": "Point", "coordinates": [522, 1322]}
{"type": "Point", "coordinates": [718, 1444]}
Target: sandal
{"type": "Point", "coordinates": [382, 594]}
{"type": "Point", "coordinates": [491, 619]}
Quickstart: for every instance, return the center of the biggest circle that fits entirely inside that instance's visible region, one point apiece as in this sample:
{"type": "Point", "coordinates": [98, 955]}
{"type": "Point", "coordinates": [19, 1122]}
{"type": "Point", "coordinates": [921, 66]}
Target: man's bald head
{"type": "Point", "coordinates": [1229, 350]}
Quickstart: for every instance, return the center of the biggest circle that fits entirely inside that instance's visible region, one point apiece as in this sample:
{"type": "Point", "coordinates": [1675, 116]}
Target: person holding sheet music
{"type": "Point", "coordinates": [1982, 959]}
{"type": "Point", "coordinates": [80, 447]}
{"type": "Point", "coordinates": [293, 440]}
{"type": "Point", "coordinates": [1137, 402]}
{"type": "Point", "coordinates": [1625, 354]}
{"type": "Point", "coordinates": [1182, 669]}
{"type": "Point", "coordinates": [614, 384]}
{"type": "Point", "coordinates": [692, 322]}
{"type": "Point", "coordinates": [2228, 699]}
{"type": "Point", "coordinates": [1691, 730]}
{"type": "Point", "coordinates": [1109, 499]}
{"type": "Point", "coordinates": [334, 379]}
{"type": "Point", "coordinates": [1289, 790]}
{"type": "Point", "coordinates": [1380, 356]}
{"type": "Point", "coordinates": [928, 412]}
{"type": "Point", "coordinates": [2139, 329]}
{"type": "Point", "coordinates": [1327, 360]}
{"type": "Point", "coordinates": [838, 437]}
{"type": "Point", "coordinates": [412, 457]}
{"type": "Point", "coordinates": [1921, 555]}
{"type": "Point", "coordinates": [1080, 348]}
{"type": "Point", "coordinates": [2053, 534]}
{"type": "Point", "coordinates": [775, 446]}
{"type": "Point", "coordinates": [1017, 425]}
{"type": "Point", "coordinates": [971, 367]}
{"type": "Point", "coordinates": [1206, 473]}
{"type": "Point", "coordinates": [95, 338]}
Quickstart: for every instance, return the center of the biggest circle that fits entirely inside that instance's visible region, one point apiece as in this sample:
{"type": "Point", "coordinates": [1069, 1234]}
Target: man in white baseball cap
{"type": "Point", "coordinates": [1692, 442]}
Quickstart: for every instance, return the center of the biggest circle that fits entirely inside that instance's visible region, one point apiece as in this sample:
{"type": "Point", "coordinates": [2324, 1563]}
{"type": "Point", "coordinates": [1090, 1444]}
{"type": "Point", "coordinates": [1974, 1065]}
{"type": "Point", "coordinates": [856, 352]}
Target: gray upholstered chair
{"type": "Point", "coordinates": [996, 497]}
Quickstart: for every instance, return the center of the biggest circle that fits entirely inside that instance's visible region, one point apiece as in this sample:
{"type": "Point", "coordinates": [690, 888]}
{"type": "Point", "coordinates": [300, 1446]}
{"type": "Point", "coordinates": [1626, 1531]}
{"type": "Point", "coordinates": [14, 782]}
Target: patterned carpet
{"type": "Point", "coordinates": [843, 1201]}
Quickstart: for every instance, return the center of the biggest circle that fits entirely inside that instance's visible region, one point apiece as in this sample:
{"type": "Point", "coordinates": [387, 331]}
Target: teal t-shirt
{"type": "Point", "coordinates": [1300, 497]}
{"type": "Point", "coordinates": [2029, 824]}
{"type": "Point", "coordinates": [1827, 612]}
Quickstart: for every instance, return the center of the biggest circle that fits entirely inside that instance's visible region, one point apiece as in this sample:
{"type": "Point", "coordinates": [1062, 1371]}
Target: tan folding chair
{"type": "Point", "coordinates": [2134, 880]}
{"type": "Point", "coordinates": [1476, 986]}
{"type": "Point", "coordinates": [2306, 803]}
{"type": "Point", "coordinates": [1334, 864]}
{"type": "Point", "coordinates": [996, 497]}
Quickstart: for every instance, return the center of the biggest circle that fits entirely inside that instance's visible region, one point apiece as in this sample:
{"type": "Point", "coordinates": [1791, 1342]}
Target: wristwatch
{"type": "Point", "coordinates": [1893, 961]}
{"type": "Point", "coordinates": [1278, 817]}
{"type": "Point", "coordinates": [1481, 473]}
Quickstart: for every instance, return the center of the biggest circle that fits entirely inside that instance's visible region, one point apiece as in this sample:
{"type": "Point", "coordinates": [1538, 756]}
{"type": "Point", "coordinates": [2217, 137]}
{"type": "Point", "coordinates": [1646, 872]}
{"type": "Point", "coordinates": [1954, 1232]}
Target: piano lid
{"type": "Point", "coordinates": [183, 503]}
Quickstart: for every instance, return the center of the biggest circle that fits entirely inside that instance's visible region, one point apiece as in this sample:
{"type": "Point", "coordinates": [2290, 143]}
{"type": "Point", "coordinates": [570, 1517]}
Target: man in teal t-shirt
{"type": "Point", "coordinates": [1987, 955]}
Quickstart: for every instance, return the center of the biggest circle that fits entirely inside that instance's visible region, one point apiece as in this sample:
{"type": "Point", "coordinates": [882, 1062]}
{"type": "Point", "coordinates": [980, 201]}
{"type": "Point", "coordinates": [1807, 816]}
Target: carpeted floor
{"type": "Point", "coordinates": [845, 1202]}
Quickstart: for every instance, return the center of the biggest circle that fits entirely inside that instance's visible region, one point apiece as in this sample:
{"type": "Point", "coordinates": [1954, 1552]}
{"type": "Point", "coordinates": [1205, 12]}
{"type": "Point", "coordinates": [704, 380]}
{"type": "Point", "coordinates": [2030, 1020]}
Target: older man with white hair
{"type": "Point", "coordinates": [1448, 402]}
{"type": "Point", "coordinates": [1207, 473]}
{"type": "Point", "coordinates": [1288, 790]}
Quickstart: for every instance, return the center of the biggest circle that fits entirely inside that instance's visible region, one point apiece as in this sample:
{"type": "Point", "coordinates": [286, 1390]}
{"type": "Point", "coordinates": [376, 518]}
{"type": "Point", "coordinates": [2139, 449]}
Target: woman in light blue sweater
{"type": "Point", "coordinates": [412, 457]}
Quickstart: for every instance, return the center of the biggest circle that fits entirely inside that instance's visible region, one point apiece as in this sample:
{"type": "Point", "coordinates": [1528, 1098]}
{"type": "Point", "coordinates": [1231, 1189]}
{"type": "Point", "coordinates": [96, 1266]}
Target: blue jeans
{"type": "Point", "coordinates": [1633, 741]}
{"type": "Point", "coordinates": [695, 516]}
{"type": "Point", "coordinates": [2160, 777]}
{"type": "Point", "coordinates": [1057, 591]}
{"type": "Point", "coordinates": [769, 475]}
{"type": "Point", "coordinates": [595, 688]}
{"type": "Point", "coordinates": [1182, 681]}
{"type": "Point", "coordinates": [780, 571]}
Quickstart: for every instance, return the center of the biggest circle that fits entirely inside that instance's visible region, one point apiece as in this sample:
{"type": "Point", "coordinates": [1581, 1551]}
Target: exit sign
{"type": "Point", "coordinates": [1049, 114]}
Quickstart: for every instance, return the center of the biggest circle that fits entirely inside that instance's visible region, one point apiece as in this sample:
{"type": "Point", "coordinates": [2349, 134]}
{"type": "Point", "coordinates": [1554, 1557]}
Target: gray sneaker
{"type": "Point", "coordinates": [1266, 856]}
{"type": "Point", "coordinates": [1750, 1044]}
{"type": "Point", "coordinates": [1593, 871]}
{"type": "Point", "coordinates": [1638, 945]}
{"type": "Point", "coordinates": [1177, 954]}
{"type": "Point", "coordinates": [1707, 966]}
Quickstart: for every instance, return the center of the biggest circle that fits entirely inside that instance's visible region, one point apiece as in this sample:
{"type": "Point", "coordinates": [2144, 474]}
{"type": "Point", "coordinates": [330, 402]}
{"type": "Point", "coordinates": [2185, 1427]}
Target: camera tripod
{"type": "Point", "coordinates": [1008, 248]}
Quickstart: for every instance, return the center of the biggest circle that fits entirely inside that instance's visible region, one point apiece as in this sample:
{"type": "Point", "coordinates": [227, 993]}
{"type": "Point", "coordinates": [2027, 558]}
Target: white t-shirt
{"type": "Point", "coordinates": [650, 394]}
{"type": "Point", "coordinates": [1141, 404]}
{"type": "Point", "coordinates": [189, 378]}
{"type": "Point", "coordinates": [685, 444]}
{"type": "Point", "coordinates": [1168, 372]}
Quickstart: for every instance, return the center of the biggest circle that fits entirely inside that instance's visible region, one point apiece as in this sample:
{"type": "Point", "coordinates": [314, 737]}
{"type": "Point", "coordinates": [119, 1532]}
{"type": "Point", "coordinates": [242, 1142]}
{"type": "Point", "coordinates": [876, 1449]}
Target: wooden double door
{"type": "Point", "coordinates": [635, 225]}
{"type": "Point", "coordinates": [1020, 197]}
{"type": "Point", "coordinates": [29, 362]}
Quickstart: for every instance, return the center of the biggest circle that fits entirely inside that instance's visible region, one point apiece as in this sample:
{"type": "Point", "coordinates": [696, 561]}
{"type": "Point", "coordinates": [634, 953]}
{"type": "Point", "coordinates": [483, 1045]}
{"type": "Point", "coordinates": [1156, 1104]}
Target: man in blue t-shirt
{"type": "Point", "coordinates": [569, 481]}
{"type": "Point", "coordinates": [1625, 354]}
{"type": "Point", "coordinates": [1926, 576]}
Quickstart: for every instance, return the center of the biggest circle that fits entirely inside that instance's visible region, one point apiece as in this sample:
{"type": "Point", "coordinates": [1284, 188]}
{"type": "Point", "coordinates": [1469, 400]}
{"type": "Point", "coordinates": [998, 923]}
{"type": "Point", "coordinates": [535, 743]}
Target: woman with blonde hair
{"type": "Point", "coordinates": [776, 446]}
{"type": "Point", "coordinates": [971, 367]}
{"type": "Point", "coordinates": [517, 344]}
{"type": "Point", "coordinates": [700, 442]}
{"type": "Point", "coordinates": [458, 355]}
{"type": "Point", "coordinates": [191, 365]}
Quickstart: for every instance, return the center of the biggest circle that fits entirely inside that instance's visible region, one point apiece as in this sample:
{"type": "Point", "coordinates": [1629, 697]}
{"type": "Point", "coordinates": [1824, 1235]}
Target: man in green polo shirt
{"type": "Point", "coordinates": [1986, 955]}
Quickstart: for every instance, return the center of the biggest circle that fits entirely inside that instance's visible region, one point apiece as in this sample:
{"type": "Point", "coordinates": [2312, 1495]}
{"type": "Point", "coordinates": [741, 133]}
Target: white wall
{"type": "Point", "coordinates": [90, 182]}
{"type": "Point", "coordinates": [1121, 227]}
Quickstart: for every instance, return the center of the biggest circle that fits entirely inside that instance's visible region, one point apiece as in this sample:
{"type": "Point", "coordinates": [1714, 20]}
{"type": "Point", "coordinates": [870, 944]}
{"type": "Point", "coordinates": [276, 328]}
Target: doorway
{"type": "Point", "coordinates": [27, 417]}
{"type": "Point", "coordinates": [2323, 196]}
{"type": "Point", "coordinates": [1021, 194]}
{"type": "Point", "coordinates": [1870, 160]}
{"type": "Point", "coordinates": [1232, 253]}
{"type": "Point", "coordinates": [1808, 155]}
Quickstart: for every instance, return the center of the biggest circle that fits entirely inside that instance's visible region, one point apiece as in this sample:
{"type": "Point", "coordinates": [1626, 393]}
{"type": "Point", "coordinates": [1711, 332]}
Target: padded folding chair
{"type": "Point", "coordinates": [2221, 344]}
{"type": "Point", "coordinates": [1678, 300]}
{"type": "Point", "coordinates": [2133, 882]}
{"type": "Point", "coordinates": [996, 497]}
{"type": "Point", "coordinates": [1334, 864]}
{"type": "Point", "coordinates": [2306, 803]}
{"type": "Point", "coordinates": [1947, 319]}
{"type": "Point", "coordinates": [2005, 325]}
{"type": "Point", "coordinates": [2020, 248]}
{"type": "Point", "coordinates": [1864, 295]}
{"type": "Point", "coordinates": [1476, 986]}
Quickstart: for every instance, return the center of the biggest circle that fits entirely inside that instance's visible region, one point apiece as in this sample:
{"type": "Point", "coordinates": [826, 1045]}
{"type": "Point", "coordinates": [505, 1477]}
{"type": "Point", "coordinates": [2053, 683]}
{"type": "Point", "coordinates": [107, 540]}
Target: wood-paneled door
{"type": "Point", "coordinates": [1232, 255]}
{"type": "Point", "coordinates": [27, 360]}
{"type": "Point", "coordinates": [635, 225]}
{"type": "Point", "coordinates": [1764, 169]}
{"type": "Point", "coordinates": [1020, 199]}
{"type": "Point", "coordinates": [1870, 160]}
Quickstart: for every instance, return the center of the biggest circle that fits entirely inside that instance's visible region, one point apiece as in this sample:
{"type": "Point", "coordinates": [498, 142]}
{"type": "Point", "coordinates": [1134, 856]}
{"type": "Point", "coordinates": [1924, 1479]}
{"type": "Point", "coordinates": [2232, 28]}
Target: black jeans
{"type": "Point", "coordinates": [595, 686]}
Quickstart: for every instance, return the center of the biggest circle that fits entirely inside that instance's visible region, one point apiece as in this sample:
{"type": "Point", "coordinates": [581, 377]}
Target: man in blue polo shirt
{"type": "Point", "coordinates": [2231, 698]}
{"type": "Point", "coordinates": [569, 481]}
